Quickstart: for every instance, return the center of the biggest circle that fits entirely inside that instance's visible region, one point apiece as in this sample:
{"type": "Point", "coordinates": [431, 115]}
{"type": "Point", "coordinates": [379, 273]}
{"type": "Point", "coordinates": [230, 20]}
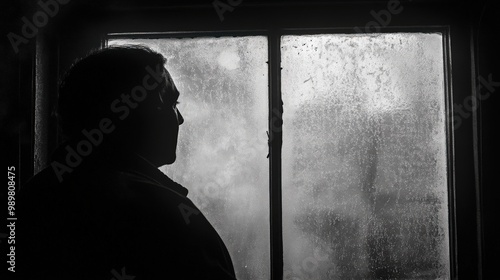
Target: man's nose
{"type": "Point", "coordinates": [180, 119]}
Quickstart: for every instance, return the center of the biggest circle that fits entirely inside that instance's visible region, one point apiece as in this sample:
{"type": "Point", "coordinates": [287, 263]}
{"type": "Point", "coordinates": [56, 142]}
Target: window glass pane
{"type": "Point", "coordinates": [364, 157]}
{"type": "Point", "coordinates": [221, 157]}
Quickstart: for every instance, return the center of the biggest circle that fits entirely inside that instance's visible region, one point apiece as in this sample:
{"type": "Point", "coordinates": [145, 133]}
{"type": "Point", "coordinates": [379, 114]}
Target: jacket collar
{"type": "Point", "coordinates": [122, 161]}
{"type": "Point", "coordinates": [143, 167]}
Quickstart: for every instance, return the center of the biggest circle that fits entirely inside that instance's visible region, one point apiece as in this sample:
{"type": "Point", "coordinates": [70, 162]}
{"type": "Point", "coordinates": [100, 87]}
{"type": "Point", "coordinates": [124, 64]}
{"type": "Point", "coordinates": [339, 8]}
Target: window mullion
{"type": "Point", "coordinates": [275, 143]}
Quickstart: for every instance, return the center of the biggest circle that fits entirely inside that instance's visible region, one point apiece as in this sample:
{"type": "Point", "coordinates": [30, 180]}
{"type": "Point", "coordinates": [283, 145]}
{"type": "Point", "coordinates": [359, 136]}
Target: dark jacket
{"type": "Point", "coordinates": [114, 217]}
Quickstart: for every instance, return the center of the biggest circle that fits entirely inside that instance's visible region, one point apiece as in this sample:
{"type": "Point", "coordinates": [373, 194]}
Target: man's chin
{"type": "Point", "coordinates": [170, 159]}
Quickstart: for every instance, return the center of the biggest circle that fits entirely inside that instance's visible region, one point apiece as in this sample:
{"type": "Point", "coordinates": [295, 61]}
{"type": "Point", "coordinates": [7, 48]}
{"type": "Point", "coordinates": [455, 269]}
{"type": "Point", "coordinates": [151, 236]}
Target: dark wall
{"type": "Point", "coordinates": [488, 62]}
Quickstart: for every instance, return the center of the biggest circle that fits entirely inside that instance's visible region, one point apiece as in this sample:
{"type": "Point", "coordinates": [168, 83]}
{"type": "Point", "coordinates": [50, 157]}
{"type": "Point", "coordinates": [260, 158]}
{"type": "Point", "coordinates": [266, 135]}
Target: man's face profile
{"type": "Point", "coordinates": [165, 128]}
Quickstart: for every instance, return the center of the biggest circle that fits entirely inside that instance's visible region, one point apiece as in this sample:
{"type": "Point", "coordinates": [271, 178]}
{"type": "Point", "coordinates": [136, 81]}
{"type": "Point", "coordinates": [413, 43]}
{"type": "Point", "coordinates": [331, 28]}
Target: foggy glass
{"type": "Point", "coordinates": [364, 157]}
{"type": "Point", "coordinates": [222, 149]}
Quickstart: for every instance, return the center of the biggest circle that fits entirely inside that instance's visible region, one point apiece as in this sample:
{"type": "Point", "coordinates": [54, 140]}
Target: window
{"type": "Point", "coordinates": [364, 156]}
{"type": "Point", "coordinates": [223, 143]}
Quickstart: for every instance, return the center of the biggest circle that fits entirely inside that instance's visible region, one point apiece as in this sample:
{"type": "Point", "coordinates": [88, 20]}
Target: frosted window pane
{"type": "Point", "coordinates": [364, 157]}
{"type": "Point", "coordinates": [221, 157]}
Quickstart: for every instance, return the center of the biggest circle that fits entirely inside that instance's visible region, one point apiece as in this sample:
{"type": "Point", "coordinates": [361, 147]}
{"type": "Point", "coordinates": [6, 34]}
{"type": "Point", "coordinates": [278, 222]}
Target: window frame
{"type": "Point", "coordinates": [276, 122]}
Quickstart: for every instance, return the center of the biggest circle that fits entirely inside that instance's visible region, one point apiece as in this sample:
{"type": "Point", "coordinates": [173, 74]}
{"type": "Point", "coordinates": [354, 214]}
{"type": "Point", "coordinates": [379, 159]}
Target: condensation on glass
{"type": "Point", "coordinates": [221, 156]}
{"type": "Point", "coordinates": [364, 157]}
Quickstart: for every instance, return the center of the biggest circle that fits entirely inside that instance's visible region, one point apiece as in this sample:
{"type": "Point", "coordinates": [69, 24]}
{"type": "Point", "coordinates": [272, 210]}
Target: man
{"type": "Point", "coordinates": [102, 209]}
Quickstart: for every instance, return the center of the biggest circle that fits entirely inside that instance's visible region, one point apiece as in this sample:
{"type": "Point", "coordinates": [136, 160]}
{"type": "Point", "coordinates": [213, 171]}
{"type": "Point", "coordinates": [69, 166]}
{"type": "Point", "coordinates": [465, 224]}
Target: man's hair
{"type": "Point", "coordinates": [92, 84]}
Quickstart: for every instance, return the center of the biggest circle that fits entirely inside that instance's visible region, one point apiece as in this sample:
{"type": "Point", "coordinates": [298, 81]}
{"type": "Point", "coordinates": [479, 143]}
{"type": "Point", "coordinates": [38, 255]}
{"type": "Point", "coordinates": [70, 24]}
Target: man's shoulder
{"type": "Point", "coordinates": [103, 187]}
{"type": "Point", "coordinates": [102, 180]}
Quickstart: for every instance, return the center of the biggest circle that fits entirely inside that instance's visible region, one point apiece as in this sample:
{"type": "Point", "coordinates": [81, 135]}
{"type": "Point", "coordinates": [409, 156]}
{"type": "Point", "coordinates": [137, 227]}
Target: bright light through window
{"type": "Point", "coordinates": [364, 157]}
{"type": "Point", "coordinates": [364, 151]}
{"type": "Point", "coordinates": [222, 150]}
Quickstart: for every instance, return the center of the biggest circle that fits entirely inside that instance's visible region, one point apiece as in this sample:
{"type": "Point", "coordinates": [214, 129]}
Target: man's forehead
{"type": "Point", "coordinates": [172, 89]}
{"type": "Point", "coordinates": [166, 74]}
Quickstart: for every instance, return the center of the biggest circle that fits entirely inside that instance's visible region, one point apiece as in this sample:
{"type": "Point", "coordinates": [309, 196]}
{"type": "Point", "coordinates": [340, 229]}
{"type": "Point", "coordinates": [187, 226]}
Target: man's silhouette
{"type": "Point", "coordinates": [102, 209]}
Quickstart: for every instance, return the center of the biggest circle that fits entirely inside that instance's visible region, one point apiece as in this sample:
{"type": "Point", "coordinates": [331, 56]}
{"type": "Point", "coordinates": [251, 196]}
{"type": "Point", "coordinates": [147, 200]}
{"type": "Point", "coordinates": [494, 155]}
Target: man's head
{"type": "Point", "coordinates": [130, 87]}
